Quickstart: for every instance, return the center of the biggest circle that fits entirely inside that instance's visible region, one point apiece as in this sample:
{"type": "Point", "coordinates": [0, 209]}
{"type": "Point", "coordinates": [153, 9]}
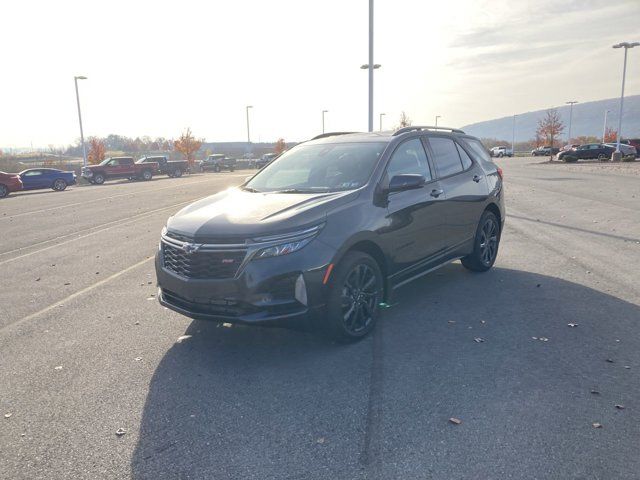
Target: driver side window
{"type": "Point", "coordinates": [409, 158]}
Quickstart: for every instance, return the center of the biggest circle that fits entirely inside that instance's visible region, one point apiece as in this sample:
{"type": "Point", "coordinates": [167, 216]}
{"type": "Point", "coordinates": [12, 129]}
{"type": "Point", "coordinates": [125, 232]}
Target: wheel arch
{"type": "Point", "coordinates": [493, 208]}
{"type": "Point", "coordinates": [371, 248]}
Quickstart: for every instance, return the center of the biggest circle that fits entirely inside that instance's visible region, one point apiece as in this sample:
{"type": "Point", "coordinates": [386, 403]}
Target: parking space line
{"type": "Point", "coordinates": [151, 190]}
{"type": "Point", "coordinates": [115, 223]}
{"type": "Point", "coordinates": [75, 295]}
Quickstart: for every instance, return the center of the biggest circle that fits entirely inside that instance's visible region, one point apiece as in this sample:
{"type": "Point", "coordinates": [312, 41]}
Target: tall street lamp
{"type": "Point", "coordinates": [513, 137]}
{"type": "Point", "coordinates": [381, 115]}
{"type": "Point", "coordinates": [248, 134]}
{"type": "Point", "coordinates": [571, 104]}
{"type": "Point", "coordinates": [437, 117]}
{"type": "Point", "coordinates": [323, 112]}
{"type": "Point", "coordinates": [84, 148]}
{"type": "Point", "coordinates": [626, 45]}
{"type": "Point", "coordinates": [370, 66]}
{"type": "Point", "coordinates": [604, 128]}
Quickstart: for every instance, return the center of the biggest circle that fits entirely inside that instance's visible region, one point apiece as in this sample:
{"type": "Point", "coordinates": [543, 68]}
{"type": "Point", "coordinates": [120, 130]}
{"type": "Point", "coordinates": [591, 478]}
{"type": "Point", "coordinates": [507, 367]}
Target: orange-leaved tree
{"type": "Point", "coordinates": [188, 145]}
{"type": "Point", "coordinates": [610, 135]}
{"type": "Point", "coordinates": [550, 127]}
{"type": "Point", "coordinates": [97, 150]}
{"type": "Point", "coordinates": [280, 146]}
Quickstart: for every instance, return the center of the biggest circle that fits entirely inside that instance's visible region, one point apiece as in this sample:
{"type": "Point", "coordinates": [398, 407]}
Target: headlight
{"type": "Point", "coordinates": [163, 232]}
{"type": "Point", "coordinates": [291, 242]}
{"type": "Point", "coordinates": [283, 249]}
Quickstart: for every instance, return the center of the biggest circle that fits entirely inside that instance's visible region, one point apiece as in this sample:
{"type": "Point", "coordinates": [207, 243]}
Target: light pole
{"type": "Point", "coordinates": [370, 66]}
{"type": "Point", "coordinates": [604, 128]}
{"type": "Point", "coordinates": [248, 134]}
{"type": "Point", "coordinates": [571, 104]}
{"type": "Point", "coordinates": [323, 112]}
{"type": "Point", "coordinates": [626, 45]}
{"type": "Point", "coordinates": [381, 115]}
{"type": "Point", "coordinates": [437, 117]}
{"type": "Point", "coordinates": [513, 137]}
{"type": "Point", "coordinates": [84, 148]}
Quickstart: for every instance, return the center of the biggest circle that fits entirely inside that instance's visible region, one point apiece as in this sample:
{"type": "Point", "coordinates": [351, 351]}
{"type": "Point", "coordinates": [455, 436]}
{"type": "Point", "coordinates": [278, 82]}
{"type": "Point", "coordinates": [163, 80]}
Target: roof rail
{"type": "Point", "coordinates": [426, 127]}
{"type": "Point", "coordinates": [330, 134]}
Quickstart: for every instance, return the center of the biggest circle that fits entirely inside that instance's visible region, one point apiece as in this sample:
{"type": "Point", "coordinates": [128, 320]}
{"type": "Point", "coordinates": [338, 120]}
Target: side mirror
{"type": "Point", "coordinates": [407, 181]}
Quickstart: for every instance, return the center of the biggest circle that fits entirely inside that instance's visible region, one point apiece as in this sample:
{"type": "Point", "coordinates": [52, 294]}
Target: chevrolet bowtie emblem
{"type": "Point", "coordinates": [190, 248]}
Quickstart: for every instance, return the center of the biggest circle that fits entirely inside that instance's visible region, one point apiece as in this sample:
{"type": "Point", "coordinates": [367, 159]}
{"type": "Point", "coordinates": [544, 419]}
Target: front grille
{"type": "Point", "coordinates": [202, 264]}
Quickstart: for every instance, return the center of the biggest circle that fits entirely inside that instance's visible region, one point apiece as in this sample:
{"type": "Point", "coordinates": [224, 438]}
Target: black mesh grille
{"type": "Point", "coordinates": [203, 264]}
{"type": "Point", "coordinates": [220, 307]}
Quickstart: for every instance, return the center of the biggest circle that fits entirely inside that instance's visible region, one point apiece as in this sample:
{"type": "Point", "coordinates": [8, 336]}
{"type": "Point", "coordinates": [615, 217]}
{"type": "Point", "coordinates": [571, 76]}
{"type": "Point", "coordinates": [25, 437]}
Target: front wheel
{"type": "Point", "coordinates": [59, 185]}
{"type": "Point", "coordinates": [485, 244]}
{"type": "Point", "coordinates": [4, 191]}
{"type": "Point", "coordinates": [216, 169]}
{"type": "Point", "coordinates": [356, 291]}
{"type": "Point", "coordinates": [147, 175]}
{"type": "Point", "coordinates": [177, 173]}
{"type": "Point", "coordinates": [98, 179]}
{"type": "Point", "coordinates": [602, 157]}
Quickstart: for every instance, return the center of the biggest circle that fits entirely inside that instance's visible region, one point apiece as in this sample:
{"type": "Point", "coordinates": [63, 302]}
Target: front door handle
{"type": "Point", "coordinates": [436, 193]}
{"type": "Point", "coordinates": [476, 178]}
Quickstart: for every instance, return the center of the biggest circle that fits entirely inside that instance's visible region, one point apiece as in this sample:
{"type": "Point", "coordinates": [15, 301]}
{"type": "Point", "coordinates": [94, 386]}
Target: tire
{"type": "Point", "coordinates": [202, 169]}
{"type": "Point", "coordinates": [353, 304]}
{"type": "Point", "coordinates": [98, 179]}
{"type": "Point", "coordinates": [602, 157]}
{"type": "Point", "coordinates": [146, 175]}
{"type": "Point", "coordinates": [177, 173]}
{"type": "Point", "coordinates": [216, 169]}
{"type": "Point", "coordinates": [59, 185]}
{"type": "Point", "coordinates": [500, 155]}
{"type": "Point", "coordinates": [484, 253]}
{"type": "Point", "coordinates": [4, 191]}
{"type": "Point", "coordinates": [232, 169]}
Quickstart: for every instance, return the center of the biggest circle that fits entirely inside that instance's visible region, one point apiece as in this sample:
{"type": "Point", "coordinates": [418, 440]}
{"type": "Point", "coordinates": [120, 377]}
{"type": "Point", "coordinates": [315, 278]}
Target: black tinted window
{"type": "Point", "coordinates": [466, 160]}
{"type": "Point", "coordinates": [446, 158]}
{"type": "Point", "coordinates": [477, 148]}
{"type": "Point", "coordinates": [409, 157]}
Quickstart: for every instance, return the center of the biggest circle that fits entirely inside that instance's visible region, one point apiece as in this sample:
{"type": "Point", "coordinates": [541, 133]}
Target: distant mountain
{"type": "Point", "coordinates": [588, 119]}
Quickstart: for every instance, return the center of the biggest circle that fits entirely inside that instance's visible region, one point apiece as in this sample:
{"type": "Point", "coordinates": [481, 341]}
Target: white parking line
{"type": "Point", "coordinates": [116, 223]}
{"type": "Point", "coordinates": [150, 190]}
{"type": "Point", "coordinates": [75, 295]}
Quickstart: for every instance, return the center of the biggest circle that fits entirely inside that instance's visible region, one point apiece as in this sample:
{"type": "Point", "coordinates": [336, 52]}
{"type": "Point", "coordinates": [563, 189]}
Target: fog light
{"type": "Point", "coordinates": [301, 290]}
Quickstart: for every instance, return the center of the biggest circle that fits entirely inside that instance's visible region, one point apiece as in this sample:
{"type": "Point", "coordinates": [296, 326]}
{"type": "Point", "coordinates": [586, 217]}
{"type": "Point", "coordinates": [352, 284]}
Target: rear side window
{"type": "Point", "coordinates": [446, 156]}
{"type": "Point", "coordinates": [408, 158]}
{"type": "Point", "coordinates": [478, 149]}
{"type": "Point", "coordinates": [466, 160]}
{"type": "Point", "coordinates": [126, 161]}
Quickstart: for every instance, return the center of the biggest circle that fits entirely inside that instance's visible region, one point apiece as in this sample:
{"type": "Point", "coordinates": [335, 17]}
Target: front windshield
{"type": "Point", "coordinates": [105, 161]}
{"type": "Point", "coordinates": [319, 168]}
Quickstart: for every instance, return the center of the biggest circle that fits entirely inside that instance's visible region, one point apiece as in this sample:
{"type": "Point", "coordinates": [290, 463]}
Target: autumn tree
{"type": "Point", "coordinates": [610, 135]}
{"type": "Point", "coordinates": [188, 145]}
{"type": "Point", "coordinates": [280, 146]}
{"type": "Point", "coordinates": [550, 127]}
{"type": "Point", "coordinates": [405, 121]}
{"type": "Point", "coordinates": [97, 150]}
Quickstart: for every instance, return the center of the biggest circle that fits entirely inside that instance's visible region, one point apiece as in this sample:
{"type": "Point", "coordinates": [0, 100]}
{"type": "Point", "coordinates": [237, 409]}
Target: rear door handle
{"type": "Point", "coordinates": [476, 178]}
{"type": "Point", "coordinates": [436, 193]}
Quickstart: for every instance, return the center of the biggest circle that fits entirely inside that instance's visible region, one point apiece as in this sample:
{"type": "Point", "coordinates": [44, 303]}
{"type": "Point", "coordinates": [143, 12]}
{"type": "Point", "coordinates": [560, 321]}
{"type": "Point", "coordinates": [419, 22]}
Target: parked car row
{"type": "Point", "coordinates": [35, 178]}
{"type": "Point", "coordinates": [594, 151]}
{"type": "Point", "coordinates": [501, 152]}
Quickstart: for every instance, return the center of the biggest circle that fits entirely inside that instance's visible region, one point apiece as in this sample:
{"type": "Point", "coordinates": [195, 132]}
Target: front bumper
{"type": "Point", "coordinates": [263, 292]}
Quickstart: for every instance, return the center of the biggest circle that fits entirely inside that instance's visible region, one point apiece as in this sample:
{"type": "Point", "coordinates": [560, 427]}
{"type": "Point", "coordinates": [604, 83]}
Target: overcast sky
{"type": "Point", "coordinates": [157, 67]}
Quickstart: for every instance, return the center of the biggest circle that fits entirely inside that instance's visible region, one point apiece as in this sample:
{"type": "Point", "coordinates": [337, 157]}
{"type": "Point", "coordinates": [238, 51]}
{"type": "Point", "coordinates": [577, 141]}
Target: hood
{"type": "Point", "coordinates": [236, 213]}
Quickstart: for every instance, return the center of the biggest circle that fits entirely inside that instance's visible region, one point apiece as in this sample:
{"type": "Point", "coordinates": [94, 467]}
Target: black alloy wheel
{"type": "Point", "coordinates": [486, 243]}
{"type": "Point", "coordinates": [59, 185]}
{"type": "Point", "coordinates": [356, 291]}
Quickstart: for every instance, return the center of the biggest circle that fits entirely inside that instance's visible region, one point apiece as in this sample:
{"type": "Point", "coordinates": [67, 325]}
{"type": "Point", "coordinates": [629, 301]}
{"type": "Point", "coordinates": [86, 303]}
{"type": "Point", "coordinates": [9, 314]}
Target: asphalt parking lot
{"type": "Point", "coordinates": [85, 350]}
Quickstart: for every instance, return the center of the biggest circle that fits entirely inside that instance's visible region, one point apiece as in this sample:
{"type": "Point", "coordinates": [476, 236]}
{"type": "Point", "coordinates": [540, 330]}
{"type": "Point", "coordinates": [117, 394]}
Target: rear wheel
{"type": "Point", "coordinates": [177, 173]}
{"type": "Point", "coordinates": [147, 175]}
{"type": "Point", "coordinates": [232, 169]}
{"type": "Point", "coordinates": [602, 157]}
{"type": "Point", "coordinates": [4, 191]}
{"type": "Point", "coordinates": [356, 291]}
{"type": "Point", "coordinates": [216, 168]}
{"type": "Point", "coordinates": [59, 185]}
{"type": "Point", "coordinates": [485, 244]}
{"type": "Point", "coordinates": [98, 178]}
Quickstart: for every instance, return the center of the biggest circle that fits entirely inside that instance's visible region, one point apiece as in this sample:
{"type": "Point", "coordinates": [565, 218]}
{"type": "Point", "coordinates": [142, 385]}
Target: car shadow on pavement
{"type": "Point", "coordinates": [495, 350]}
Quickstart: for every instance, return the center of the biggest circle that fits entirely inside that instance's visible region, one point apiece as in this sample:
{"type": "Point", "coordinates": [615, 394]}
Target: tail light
{"type": "Point", "coordinates": [500, 173]}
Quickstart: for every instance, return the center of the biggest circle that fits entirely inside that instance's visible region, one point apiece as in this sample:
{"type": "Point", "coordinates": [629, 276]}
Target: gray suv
{"type": "Point", "coordinates": [323, 236]}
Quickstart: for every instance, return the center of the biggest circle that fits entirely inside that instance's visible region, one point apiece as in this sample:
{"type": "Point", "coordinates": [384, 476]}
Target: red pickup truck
{"type": "Point", "coordinates": [119, 167]}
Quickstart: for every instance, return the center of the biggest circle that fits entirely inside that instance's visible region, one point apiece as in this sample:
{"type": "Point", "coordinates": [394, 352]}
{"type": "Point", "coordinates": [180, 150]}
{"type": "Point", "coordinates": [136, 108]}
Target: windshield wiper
{"type": "Point", "coordinates": [250, 189]}
{"type": "Point", "coordinates": [300, 190]}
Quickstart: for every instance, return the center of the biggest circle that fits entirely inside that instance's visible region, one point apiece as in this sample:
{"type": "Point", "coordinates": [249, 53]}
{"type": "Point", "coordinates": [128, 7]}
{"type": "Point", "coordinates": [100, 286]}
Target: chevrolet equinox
{"type": "Point", "coordinates": [323, 235]}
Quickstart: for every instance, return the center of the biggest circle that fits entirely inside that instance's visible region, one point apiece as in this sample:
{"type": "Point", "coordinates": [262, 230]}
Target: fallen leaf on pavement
{"type": "Point", "coordinates": [320, 440]}
{"type": "Point", "coordinates": [59, 367]}
{"type": "Point", "coordinates": [120, 432]}
{"type": "Point", "coordinates": [597, 425]}
{"type": "Point", "coordinates": [595, 392]}
{"type": "Point", "coordinates": [183, 338]}
{"type": "Point", "coordinates": [609, 360]}
{"type": "Point", "coordinates": [8, 415]}
{"type": "Point", "coordinates": [572, 325]}
{"type": "Point", "coordinates": [620, 407]}
{"type": "Point", "coordinates": [455, 421]}
{"type": "Point", "coordinates": [478, 340]}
